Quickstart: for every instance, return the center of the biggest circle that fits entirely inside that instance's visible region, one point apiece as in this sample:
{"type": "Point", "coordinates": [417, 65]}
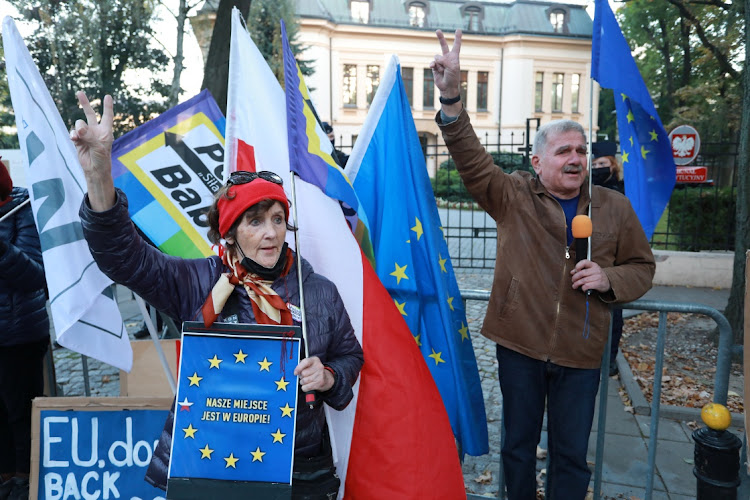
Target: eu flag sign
{"type": "Point", "coordinates": [234, 424]}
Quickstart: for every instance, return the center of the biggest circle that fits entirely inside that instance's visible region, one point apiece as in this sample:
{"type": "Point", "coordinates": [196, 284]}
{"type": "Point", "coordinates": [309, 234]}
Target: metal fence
{"type": "Point", "coordinates": [699, 216]}
{"type": "Point", "coordinates": [720, 393]}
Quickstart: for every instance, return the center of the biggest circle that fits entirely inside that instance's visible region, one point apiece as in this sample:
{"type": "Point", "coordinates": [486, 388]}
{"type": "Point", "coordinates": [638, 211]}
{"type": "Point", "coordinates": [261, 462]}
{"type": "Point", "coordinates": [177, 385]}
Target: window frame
{"type": "Point", "coordinates": [539, 92]}
{"type": "Point", "coordinates": [428, 89]}
{"type": "Point", "coordinates": [424, 5]}
{"type": "Point", "coordinates": [351, 85]}
{"type": "Point", "coordinates": [482, 90]}
{"type": "Point", "coordinates": [370, 88]}
{"type": "Point", "coordinates": [361, 20]}
{"type": "Point", "coordinates": [557, 97]}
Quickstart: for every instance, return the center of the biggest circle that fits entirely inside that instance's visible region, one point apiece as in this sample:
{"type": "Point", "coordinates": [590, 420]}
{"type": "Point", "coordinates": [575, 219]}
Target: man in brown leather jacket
{"type": "Point", "coordinates": [548, 313]}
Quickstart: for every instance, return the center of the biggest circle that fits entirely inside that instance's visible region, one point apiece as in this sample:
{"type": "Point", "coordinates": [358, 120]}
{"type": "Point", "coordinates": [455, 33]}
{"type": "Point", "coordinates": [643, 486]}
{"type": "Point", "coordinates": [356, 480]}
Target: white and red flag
{"type": "Point", "coordinates": [394, 440]}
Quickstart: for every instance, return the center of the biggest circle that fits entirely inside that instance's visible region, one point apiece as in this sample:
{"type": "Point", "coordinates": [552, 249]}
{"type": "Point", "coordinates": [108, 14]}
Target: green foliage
{"type": "Point", "coordinates": [265, 30]}
{"type": "Point", "coordinates": [703, 218]}
{"type": "Point", "coordinates": [100, 47]}
{"type": "Point", "coordinates": [689, 54]}
{"type": "Point", "coordinates": [448, 185]}
{"type": "Point", "coordinates": [607, 115]}
{"type": "Point", "coordinates": [8, 138]}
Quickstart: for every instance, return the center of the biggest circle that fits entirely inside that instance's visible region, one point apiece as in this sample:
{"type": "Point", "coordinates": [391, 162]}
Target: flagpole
{"type": "Point", "coordinates": [590, 154]}
{"type": "Point", "coordinates": [15, 210]}
{"type": "Point", "coordinates": [309, 396]}
{"type": "Point", "coordinates": [157, 344]}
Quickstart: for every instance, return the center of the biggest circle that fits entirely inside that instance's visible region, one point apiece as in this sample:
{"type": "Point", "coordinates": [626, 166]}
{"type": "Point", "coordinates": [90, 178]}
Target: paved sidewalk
{"type": "Point", "coordinates": [627, 435]}
{"type": "Point", "coordinates": [625, 464]}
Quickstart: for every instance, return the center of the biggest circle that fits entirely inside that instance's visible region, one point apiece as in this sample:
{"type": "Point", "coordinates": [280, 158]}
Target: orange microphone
{"type": "Point", "coordinates": [581, 229]}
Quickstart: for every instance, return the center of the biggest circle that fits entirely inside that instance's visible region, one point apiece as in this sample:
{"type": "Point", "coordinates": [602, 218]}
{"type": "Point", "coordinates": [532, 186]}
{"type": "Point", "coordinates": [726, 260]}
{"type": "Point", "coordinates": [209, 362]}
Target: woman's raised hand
{"type": "Point", "coordinates": [93, 142]}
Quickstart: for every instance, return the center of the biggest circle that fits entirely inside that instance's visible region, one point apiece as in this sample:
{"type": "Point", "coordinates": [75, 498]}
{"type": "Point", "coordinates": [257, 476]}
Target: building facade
{"type": "Point", "coordinates": [522, 62]}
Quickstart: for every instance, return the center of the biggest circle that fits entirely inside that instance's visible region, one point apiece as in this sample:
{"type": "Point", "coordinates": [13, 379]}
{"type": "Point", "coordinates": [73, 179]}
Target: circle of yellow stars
{"type": "Point", "coordinates": [278, 436]}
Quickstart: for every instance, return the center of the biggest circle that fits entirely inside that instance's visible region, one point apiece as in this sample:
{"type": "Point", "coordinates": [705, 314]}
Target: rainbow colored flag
{"type": "Point", "coordinates": [170, 168]}
{"type": "Point", "coordinates": [310, 151]}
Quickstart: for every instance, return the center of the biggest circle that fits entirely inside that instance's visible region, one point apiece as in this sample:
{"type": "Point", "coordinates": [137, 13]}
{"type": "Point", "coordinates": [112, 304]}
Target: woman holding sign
{"type": "Point", "coordinates": [253, 281]}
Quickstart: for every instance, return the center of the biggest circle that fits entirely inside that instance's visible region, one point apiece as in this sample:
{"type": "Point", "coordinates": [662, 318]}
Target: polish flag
{"type": "Point", "coordinates": [394, 440]}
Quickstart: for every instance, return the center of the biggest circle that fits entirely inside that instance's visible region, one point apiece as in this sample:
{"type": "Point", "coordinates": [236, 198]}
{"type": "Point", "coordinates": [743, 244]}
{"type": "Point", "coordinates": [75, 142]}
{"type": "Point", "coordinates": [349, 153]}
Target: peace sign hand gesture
{"type": "Point", "coordinates": [446, 68]}
{"type": "Point", "coordinates": [93, 141]}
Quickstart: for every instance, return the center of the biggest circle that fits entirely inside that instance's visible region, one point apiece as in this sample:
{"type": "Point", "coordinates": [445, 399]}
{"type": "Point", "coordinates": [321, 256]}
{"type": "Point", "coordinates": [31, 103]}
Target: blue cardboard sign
{"type": "Point", "coordinates": [97, 454]}
{"type": "Point", "coordinates": [236, 405]}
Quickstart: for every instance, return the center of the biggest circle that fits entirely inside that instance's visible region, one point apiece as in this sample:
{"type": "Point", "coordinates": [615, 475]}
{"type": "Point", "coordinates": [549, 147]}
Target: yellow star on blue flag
{"type": "Point", "coordinates": [649, 173]}
{"type": "Point", "coordinates": [392, 168]}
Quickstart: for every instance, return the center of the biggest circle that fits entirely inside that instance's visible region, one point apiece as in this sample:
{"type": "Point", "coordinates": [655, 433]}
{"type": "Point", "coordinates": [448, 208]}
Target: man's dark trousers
{"type": "Point", "coordinates": [570, 393]}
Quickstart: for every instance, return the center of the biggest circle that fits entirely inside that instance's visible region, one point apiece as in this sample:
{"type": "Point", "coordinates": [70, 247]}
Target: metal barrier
{"type": "Point", "coordinates": [721, 379]}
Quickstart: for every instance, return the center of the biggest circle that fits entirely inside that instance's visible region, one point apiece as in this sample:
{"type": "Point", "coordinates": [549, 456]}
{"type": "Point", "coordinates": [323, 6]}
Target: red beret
{"type": "Point", "coordinates": [240, 197]}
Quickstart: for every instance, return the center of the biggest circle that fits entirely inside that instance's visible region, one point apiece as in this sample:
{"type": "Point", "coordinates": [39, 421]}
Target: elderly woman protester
{"type": "Point", "coordinates": [257, 276]}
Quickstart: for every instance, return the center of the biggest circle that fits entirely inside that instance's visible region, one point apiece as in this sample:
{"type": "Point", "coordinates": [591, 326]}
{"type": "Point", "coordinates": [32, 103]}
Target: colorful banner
{"type": "Point", "coordinates": [236, 404]}
{"type": "Point", "coordinates": [170, 168]}
{"type": "Point", "coordinates": [310, 150]}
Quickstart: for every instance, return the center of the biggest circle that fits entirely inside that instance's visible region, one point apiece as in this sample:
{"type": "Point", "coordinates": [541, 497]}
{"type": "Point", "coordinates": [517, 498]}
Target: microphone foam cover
{"type": "Point", "coordinates": [581, 227]}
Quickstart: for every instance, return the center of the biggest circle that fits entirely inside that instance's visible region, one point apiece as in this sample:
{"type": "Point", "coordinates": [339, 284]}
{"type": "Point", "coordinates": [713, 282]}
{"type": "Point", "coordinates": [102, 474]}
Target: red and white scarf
{"type": "Point", "coordinates": [268, 307]}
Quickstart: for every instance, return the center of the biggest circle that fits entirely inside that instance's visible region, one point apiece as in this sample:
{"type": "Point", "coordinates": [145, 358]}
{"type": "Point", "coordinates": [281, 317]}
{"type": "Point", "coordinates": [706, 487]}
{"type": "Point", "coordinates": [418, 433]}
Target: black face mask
{"type": "Point", "coordinates": [600, 175]}
{"type": "Point", "coordinates": [265, 272]}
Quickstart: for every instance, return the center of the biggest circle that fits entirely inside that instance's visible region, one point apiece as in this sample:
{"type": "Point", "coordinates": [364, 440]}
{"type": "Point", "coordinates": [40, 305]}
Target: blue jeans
{"type": "Point", "coordinates": [569, 393]}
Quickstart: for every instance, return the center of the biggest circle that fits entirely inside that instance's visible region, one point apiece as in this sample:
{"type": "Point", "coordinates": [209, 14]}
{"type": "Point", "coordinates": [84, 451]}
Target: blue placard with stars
{"type": "Point", "coordinates": [236, 403]}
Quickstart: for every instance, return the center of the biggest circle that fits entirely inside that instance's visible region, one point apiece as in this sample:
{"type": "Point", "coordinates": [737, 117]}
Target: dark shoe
{"type": "Point", "coordinates": [613, 370]}
{"type": "Point", "coordinates": [142, 333]}
{"type": "Point", "coordinates": [20, 489]}
{"type": "Point", "coordinates": [5, 488]}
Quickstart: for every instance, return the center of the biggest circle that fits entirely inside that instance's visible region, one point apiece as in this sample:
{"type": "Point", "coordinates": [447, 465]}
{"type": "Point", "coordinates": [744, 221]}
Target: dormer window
{"type": "Point", "coordinates": [360, 11]}
{"type": "Point", "coordinates": [558, 18]}
{"type": "Point", "coordinates": [417, 13]}
{"type": "Point", "coordinates": [473, 16]}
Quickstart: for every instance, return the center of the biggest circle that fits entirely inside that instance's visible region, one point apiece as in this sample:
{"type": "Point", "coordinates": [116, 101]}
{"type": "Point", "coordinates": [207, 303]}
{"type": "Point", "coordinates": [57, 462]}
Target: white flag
{"type": "Point", "coordinates": [84, 311]}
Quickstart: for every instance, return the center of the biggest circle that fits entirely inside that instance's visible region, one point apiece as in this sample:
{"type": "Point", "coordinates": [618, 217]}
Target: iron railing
{"type": "Point", "coordinates": [721, 380]}
{"type": "Point", "coordinates": [700, 217]}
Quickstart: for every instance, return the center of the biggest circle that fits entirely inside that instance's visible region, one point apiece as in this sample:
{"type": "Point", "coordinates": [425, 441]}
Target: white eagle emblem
{"type": "Point", "coordinates": [683, 145]}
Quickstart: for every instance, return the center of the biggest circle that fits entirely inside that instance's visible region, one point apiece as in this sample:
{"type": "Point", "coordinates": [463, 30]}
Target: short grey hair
{"type": "Point", "coordinates": [553, 128]}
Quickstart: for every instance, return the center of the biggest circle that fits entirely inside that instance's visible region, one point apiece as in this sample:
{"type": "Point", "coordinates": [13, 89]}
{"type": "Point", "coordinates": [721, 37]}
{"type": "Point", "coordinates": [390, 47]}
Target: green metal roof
{"type": "Point", "coordinates": [519, 17]}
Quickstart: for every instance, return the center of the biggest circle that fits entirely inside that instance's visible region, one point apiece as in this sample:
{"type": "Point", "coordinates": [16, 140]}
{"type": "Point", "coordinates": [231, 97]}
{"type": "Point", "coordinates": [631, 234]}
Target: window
{"type": "Point", "coordinates": [372, 82]}
{"type": "Point", "coordinates": [360, 11]}
{"type": "Point", "coordinates": [557, 19]}
{"type": "Point", "coordinates": [407, 75]}
{"type": "Point", "coordinates": [473, 16]}
{"type": "Point", "coordinates": [557, 92]}
{"type": "Point", "coordinates": [428, 90]}
{"type": "Point", "coordinates": [538, 89]}
{"type": "Point", "coordinates": [350, 85]}
{"type": "Point", "coordinates": [575, 89]}
{"type": "Point", "coordinates": [482, 78]}
{"type": "Point", "coordinates": [417, 14]}
{"type": "Point", "coordinates": [464, 87]}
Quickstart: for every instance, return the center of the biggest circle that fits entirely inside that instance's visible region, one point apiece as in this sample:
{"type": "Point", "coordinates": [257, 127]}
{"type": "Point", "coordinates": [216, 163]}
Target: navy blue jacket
{"type": "Point", "coordinates": [179, 287]}
{"type": "Point", "coordinates": [23, 296]}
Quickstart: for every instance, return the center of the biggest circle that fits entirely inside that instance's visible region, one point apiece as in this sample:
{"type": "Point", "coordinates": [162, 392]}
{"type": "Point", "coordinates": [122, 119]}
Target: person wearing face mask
{"type": "Point", "coordinates": [254, 280]}
{"type": "Point", "coordinates": [338, 155]}
{"type": "Point", "coordinates": [606, 171]}
{"type": "Point", "coordinates": [550, 335]}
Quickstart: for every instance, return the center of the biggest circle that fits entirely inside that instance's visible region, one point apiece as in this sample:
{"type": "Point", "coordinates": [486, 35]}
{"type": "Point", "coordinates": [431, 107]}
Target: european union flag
{"type": "Point", "coordinates": [411, 252]}
{"type": "Point", "coordinates": [646, 152]}
{"type": "Point", "coordinates": [235, 412]}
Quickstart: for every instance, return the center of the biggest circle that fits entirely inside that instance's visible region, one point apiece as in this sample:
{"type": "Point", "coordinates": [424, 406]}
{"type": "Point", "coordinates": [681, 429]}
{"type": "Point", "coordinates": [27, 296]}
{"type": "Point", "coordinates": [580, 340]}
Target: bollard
{"type": "Point", "coordinates": [717, 458]}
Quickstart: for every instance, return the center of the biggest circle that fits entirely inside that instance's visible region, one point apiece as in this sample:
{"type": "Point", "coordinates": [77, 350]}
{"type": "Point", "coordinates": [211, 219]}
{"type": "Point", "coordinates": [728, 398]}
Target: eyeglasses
{"type": "Point", "coordinates": [243, 177]}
